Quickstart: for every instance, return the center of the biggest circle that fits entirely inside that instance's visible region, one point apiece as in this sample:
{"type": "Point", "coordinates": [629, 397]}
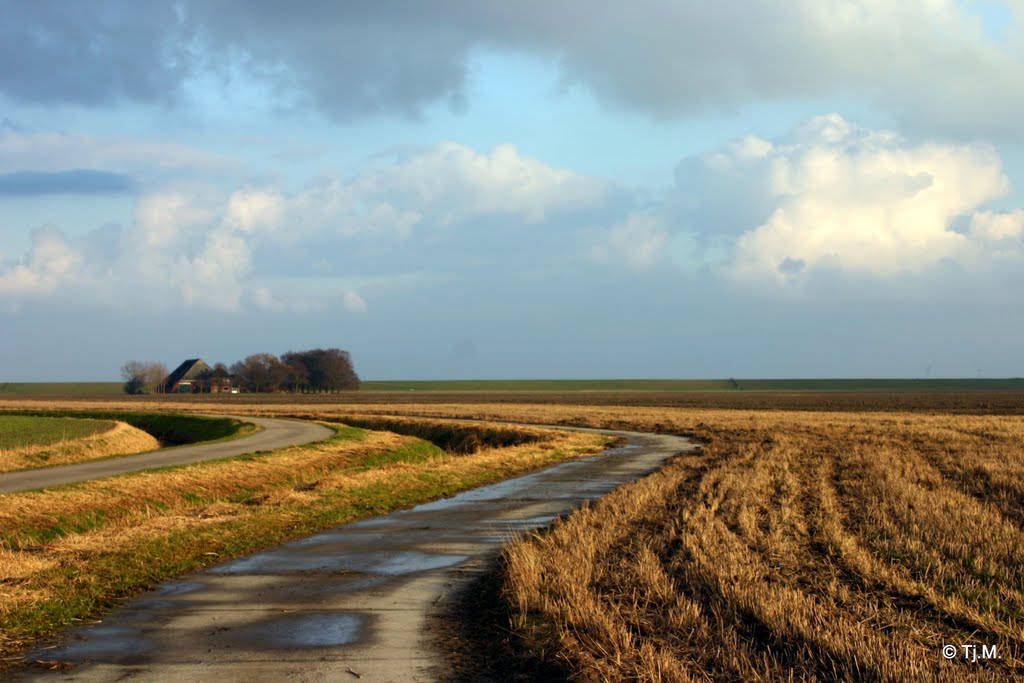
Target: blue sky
{"type": "Point", "coordinates": [514, 190]}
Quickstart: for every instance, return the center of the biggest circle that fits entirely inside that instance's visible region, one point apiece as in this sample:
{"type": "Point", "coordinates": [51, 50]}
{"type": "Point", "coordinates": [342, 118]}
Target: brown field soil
{"type": "Point", "coordinates": [70, 553]}
{"type": "Point", "coordinates": [852, 542]}
{"type": "Point", "coordinates": [119, 439]}
{"type": "Point", "coordinates": [983, 402]}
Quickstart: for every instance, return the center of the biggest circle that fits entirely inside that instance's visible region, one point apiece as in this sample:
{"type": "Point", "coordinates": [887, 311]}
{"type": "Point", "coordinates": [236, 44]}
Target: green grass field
{"type": "Point", "coordinates": [61, 388]}
{"type": "Point", "coordinates": [17, 431]}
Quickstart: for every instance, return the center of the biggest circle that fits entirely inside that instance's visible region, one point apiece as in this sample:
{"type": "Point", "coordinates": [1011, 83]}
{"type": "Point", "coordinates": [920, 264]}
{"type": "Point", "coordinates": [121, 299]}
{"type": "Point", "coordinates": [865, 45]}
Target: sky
{"type": "Point", "coordinates": [513, 190]}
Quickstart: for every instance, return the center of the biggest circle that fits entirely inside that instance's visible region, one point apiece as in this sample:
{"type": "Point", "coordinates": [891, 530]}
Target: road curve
{"type": "Point", "coordinates": [275, 434]}
{"type": "Point", "coordinates": [350, 602]}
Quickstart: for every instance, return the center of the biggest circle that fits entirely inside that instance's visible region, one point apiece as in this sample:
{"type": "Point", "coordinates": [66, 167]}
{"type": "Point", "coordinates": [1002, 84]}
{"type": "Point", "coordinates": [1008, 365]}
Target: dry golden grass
{"type": "Point", "coordinates": [121, 439]}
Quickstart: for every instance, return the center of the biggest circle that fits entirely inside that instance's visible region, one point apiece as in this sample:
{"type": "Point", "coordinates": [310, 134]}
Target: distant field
{"type": "Point", "coordinates": [60, 388]}
{"type": "Point", "coordinates": [18, 431]}
{"type": "Point", "coordinates": [578, 386]}
{"type": "Point", "coordinates": [566, 385]}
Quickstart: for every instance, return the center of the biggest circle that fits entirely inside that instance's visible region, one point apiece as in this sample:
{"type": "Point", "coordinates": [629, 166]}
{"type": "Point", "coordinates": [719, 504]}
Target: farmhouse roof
{"type": "Point", "coordinates": [190, 369]}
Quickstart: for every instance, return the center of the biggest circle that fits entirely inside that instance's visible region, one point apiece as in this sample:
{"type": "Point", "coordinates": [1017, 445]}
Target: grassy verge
{"type": "Point", "coordinates": [71, 553]}
{"type": "Point", "coordinates": [453, 437]}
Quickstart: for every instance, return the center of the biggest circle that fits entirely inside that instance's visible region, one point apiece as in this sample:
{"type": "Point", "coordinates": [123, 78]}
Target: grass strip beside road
{"type": "Point", "coordinates": [69, 554]}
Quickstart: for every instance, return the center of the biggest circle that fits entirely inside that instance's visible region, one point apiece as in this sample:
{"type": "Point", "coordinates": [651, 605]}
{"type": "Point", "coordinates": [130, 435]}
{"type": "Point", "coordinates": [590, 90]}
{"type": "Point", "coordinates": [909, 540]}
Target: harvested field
{"type": "Point", "coordinates": [48, 442]}
{"type": "Point", "coordinates": [796, 547]}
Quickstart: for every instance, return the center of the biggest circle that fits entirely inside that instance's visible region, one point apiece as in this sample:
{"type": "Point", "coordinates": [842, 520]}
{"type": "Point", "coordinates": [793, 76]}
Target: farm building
{"type": "Point", "coordinates": [187, 377]}
{"type": "Point", "coordinates": [195, 376]}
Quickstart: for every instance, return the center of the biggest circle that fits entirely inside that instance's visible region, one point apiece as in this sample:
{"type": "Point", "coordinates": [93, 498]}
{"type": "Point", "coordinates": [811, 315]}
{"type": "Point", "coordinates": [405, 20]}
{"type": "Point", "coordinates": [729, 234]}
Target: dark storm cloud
{"type": "Point", "coordinates": [76, 181]}
{"type": "Point", "coordinates": [90, 52]}
{"type": "Point", "coordinates": [925, 62]}
{"type": "Point", "coordinates": [348, 59]}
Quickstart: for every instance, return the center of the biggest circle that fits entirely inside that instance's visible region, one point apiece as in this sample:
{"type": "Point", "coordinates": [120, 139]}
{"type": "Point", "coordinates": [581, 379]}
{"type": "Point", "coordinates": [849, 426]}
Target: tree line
{"type": "Point", "coordinates": [315, 370]}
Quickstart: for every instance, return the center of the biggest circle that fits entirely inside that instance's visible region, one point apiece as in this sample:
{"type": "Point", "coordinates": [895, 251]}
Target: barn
{"type": "Point", "coordinates": [191, 377]}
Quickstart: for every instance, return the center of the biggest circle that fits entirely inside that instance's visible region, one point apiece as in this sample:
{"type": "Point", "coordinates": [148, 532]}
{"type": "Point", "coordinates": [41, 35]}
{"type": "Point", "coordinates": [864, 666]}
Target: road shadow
{"type": "Point", "coordinates": [473, 633]}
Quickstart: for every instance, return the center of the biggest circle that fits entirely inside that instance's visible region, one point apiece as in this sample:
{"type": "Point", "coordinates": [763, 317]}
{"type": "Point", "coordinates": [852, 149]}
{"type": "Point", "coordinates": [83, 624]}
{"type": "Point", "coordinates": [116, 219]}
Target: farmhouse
{"type": "Point", "coordinates": [187, 378]}
{"type": "Point", "coordinates": [195, 376]}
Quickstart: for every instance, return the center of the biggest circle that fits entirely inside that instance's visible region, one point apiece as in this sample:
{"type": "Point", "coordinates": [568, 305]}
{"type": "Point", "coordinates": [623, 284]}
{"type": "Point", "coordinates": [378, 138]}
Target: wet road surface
{"type": "Point", "coordinates": [351, 603]}
{"type": "Point", "coordinates": [275, 434]}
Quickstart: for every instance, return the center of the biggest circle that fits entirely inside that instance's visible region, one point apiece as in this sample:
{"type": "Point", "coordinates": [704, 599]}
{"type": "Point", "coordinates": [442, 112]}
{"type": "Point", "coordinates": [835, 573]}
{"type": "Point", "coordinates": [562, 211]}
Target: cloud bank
{"type": "Point", "coordinates": [196, 245]}
{"type": "Point", "coordinates": [926, 61]}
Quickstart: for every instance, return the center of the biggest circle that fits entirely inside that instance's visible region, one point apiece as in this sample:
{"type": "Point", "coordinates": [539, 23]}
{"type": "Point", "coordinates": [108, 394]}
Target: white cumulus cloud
{"type": "Point", "coordinates": [834, 197]}
{"type": "Point", "coordinates": [446, 186]}
{"type": "Point", "coordinates": [867, 202]}
{"type": "Point", "coordinates": [453, 183]}
{"type": "Point", "coordinates": [51, 260]}
{"type": "Point", "coordinates": [998, 225]}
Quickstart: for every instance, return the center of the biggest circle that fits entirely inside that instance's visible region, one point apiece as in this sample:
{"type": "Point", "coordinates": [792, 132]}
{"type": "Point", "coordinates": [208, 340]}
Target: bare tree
{"type": "Point", "coordinates": [132, 374]}
{"type": "Point", "coordinates": [142, 377]}
{"type": "Point", "coordinates": [155, 375]}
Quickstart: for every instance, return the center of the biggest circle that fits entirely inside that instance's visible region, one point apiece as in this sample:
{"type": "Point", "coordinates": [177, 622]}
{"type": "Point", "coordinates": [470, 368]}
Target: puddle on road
{"type": "Point", "coordinates": [503, 489]}
{"type": "Point", "coordinates": [307, 630]}
{"type": "Point", "coordinates": [171, 589]}
{"type": "Point", "coordinates": [396, 564]}
{"type": "Point", "coordinates": [141, 609]}
{"type": "Point", "coordinates": [329, 585]}
{"type": "Point", "coordinates": [534, 522]}
{"type": "Point", "coordinates": [388, 563]}
{"type": "Point", "coordinates": [110, 643]}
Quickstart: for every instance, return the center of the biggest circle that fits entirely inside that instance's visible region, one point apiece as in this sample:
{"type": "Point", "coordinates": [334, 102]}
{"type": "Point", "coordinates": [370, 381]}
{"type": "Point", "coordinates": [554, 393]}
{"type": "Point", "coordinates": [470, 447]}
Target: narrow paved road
{"type": "Point", "coordinates": [275, 434]}
{"type": "Point", "coordinates": [346, 604]}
